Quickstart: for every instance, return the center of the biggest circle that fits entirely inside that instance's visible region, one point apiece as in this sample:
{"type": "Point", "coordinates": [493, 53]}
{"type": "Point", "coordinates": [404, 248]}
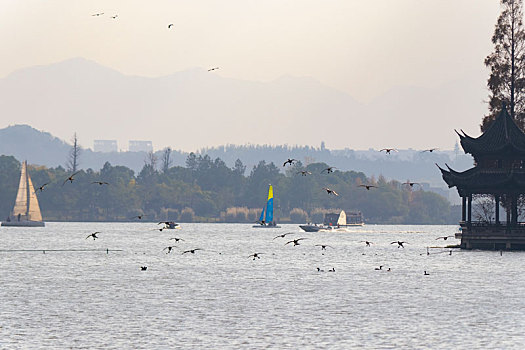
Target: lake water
{"type": "Point", "coordinates": [219, 298]}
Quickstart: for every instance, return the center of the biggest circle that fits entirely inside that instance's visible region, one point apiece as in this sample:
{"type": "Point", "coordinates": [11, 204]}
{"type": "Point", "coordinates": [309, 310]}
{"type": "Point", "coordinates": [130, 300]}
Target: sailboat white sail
{"type": "Point", "coordinates": [26, 211]}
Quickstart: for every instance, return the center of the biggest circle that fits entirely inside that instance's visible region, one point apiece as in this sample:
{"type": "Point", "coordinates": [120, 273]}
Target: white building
{"type": "Point", "coordinates": [105, 146]}
{"type": "Point", "coordinates": [140, 146]}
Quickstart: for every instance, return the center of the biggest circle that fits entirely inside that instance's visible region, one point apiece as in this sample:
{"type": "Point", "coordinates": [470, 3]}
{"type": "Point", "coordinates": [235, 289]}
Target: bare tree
{"type": "Point", "coordinates": [151, 160]}
{"type": "Point", "coordinates": [484, 207]}
{"type": "Point", "coordinates": [73, 162]}
{"type": "Point", "coordinates": [507, 65]}
{"type": "Point", "coordinates": [166, 160]}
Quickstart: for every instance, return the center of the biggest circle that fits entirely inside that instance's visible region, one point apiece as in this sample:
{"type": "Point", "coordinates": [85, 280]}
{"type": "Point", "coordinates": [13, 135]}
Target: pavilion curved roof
{"type": "Point", "coordinates": [485, 180]}
{"type": "Point", "coordinates": [503, 136]}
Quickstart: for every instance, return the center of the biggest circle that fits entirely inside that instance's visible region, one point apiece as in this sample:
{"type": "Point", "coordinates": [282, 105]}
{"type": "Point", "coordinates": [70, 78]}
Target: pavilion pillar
{"type": "Point", "coordinates": [508, 210]}
{"type": "Point", "coordinates": [497, 209]}
{"type": "Point", "coordinates": [514, 213]}
{"type": "Point", "coordinates": [463, 208]}
{"type": "Point", "coordinates": [469, 218]}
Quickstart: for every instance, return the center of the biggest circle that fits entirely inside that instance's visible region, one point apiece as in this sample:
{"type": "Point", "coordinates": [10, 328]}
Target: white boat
{"type": "Point", "coordinates": [340, 226]}
{"type": "Point", "coordinates": [266, 218]}
{"type": "Point", "coordinates": [26, 212]}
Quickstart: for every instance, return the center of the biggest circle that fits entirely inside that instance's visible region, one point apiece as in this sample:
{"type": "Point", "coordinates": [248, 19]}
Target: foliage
{"type": "Point", "coordinates": [209, 190]}
{"type": "Point", "coordinates": [506, 82]}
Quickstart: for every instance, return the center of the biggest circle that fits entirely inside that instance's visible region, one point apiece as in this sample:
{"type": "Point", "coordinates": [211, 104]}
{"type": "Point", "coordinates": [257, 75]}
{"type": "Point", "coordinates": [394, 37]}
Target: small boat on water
{"type": "Point", "coordinates": [343, 222]}
{"type": "Point", "coordinates": [170, 225]}
{"type": "Point", "coordinates": [26, 212]}
{"type": "Point", "coordinates": [266, 218]}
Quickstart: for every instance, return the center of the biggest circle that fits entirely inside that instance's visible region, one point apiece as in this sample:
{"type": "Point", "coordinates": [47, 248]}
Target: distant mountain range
{"type": "Point", "coordinates": [195, 108]}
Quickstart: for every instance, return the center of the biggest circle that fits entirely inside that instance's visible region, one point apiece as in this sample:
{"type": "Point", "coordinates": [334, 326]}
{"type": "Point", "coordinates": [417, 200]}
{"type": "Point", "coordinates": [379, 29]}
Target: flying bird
{"type": "Point", "coordinates": [411, 184]}
{"type": "Point", "coordinates": [329, 191]}
{"type": "Point", "coordinates": [367, 243]}
{"type": "Point", "coordinates": [100, 183]}
{"type": "Point", "coordinates": [98, 14]}
{"type": "Point", "coordinates": [388, 150]}
{"type": "Point", "coordinates": [41, 188]}
{"type": "Point", "coordinates": [177, 239]}
{"type": "Point", "coordinates": [169, 248]}
{"type": "Point", "coordinates": [143, 268]}
{"type": "Point", "coordinates": [170, 25]}
{"type": "Point", "coordinates": [114, 17]}
{"type": "Point", "coordinates": [70, 178]}
{"type": "Point", "coordinates": [295, 241]}
{"type": "Point", "coordinates": [304, 172]}
{"type": "Point", "coordinates": [138, 217]}
{"type": "Point", "coordinates": [430, 150]}
{"type": "Point", "coordinates": [329, 170]}
{"type": "Point", "coordinates": [283, 235]}
{"type": "Point", "coordinates": [444, 237]}
{"type": "Point", "coordinates": [192, 251]}
{"type": "Point", "coordinates": [289, 161]}
{"type": "Point", "coordinates": [368, 187]}
{"type": "Point", "coordinates": [323, 246]}
{"type": "Point", "coordinates": [255, 256]}
{"type": "Point", "coordinates": [399, 243]}
{"type": "Point", "coordinates": [214, 68]}
{"type": "Point", "coordinates": [94, 235]}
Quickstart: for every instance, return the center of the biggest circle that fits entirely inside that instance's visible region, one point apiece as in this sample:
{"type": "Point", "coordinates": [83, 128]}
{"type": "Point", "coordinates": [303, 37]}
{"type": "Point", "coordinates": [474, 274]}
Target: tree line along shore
{"type": "Point", "coordinates": [207, 190]}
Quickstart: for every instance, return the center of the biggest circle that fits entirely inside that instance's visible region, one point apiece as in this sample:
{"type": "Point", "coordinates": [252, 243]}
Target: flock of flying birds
{"type": "Point", "coordinates": [292, 242]}
{"type": "Point", "coordinates": [330, 169]}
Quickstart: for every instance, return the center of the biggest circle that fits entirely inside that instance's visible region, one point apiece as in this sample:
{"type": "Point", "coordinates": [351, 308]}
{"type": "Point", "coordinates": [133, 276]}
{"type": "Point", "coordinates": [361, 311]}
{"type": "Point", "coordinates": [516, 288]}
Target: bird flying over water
{"type": "Point", "coordinates": [295, 241]}
{"type": "Point", "coordinates": [214, 68]}
{"type": "Point", "coordinates": [444, 237]}
{"type": "Point", "coordinates": [177, 239]}
{"type": "Point", "coordinates": [192, 251]}
{"type": "Point", "coordinates": [70, 178]}
{"type": "Point", "coordinates": [94, 235]}
{"type": "Point", "coordinates": [289, 161]}
{"type": "Point", "coordinates": [367, 243]}
{"type": "Point", "coordinates": [255, 256]}
{"type": "Point", "coordinates": [430, 150]}
{"type": "Point", "coordinates": [388, 150]}
{"type": "Point", "coordinates": [169, 248]}
{"type": "Point", "coordinates": [284, 235]}
{"type": "Point", "coordinates": [138, 217]}
{"type": "Point", "coordinates": [330, 191]}
{"type": "Point", "coordinates": [329, 170]}
{"type": "Point", "coordinates": [100, 183]}
{"type": "Point", "coordinates": [323, 246]}
{"type": "Point", "coordinates": [368, 187]}
{"type": "Point", "coordinates": [399, 243]}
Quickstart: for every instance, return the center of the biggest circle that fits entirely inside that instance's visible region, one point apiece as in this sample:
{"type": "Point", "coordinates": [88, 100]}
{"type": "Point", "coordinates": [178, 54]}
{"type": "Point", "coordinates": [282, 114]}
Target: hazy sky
{"type": "Point", "coordinates": [364, 47]}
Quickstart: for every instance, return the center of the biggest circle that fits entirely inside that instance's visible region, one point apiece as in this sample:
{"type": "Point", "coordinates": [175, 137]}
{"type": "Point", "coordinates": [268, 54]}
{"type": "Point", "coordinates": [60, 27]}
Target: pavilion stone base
{"type": "Point", "coordinates": [492, 237]}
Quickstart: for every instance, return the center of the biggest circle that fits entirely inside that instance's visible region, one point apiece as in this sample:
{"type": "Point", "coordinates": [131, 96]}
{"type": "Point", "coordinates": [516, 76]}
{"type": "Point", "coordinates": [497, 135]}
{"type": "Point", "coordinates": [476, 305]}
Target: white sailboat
{"type": "Point", "coordinates": [26, 211]}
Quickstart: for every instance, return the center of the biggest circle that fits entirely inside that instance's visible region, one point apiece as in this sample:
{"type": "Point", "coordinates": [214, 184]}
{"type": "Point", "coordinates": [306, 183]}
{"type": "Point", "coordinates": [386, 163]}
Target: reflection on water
{"type": "Point", "coordinates": [221, 298]}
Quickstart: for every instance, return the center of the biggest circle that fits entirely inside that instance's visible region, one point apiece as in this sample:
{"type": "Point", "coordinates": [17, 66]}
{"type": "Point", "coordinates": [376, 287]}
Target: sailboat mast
{"type": "Point", "coordinates": [28, 191]}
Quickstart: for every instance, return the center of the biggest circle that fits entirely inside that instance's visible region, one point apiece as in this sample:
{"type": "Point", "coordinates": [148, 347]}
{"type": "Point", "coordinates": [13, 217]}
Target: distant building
{"type": "Point", "coordinates": [105, 146]}
{"type": "Point", "coordinates": [140, 146]}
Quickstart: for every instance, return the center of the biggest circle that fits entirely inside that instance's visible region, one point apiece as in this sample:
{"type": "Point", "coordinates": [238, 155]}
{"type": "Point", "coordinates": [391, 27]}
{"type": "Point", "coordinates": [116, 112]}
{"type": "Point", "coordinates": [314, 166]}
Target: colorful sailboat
{"type": "Point", "coordinates": [26, 212]}
{"type": "Point", "coordinates": [266, 218]}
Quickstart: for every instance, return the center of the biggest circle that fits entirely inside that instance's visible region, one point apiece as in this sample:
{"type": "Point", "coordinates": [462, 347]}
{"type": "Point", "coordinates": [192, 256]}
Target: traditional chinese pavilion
{"type": "Point", "coordinates": [499, 171]}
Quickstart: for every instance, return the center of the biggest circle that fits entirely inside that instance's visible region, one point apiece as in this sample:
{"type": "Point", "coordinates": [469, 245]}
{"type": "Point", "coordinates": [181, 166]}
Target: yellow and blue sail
{"type": "Point", "coordinates": [268, 208]}
{"type": "Point", "coordinates": [269, 205]}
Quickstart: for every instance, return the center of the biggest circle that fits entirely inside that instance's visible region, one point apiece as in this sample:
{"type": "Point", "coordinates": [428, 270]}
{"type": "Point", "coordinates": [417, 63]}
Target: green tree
{"type": "Point", "coordinates": [507, 65]}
